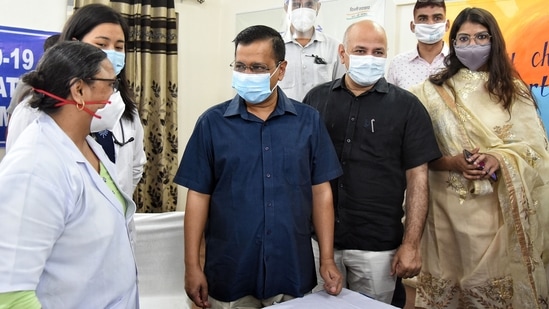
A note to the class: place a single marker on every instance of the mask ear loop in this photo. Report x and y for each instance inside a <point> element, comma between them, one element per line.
<point>79,106</point>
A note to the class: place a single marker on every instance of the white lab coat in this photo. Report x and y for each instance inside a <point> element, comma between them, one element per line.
<point>63,232</point>
<point>130,158</point>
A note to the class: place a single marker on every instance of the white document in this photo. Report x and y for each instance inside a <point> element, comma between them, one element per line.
<point>321,300</point>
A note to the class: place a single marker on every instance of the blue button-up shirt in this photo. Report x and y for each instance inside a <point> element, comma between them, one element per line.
<point>260,176</point>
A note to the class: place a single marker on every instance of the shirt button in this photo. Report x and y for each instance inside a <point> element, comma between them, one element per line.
<point>343,162</point>
<point>348,140</point>
<point>268,175</point>
<point>269,204</point>
<point>341,185</point>
<point>353,118</point>
<point>267,148</point>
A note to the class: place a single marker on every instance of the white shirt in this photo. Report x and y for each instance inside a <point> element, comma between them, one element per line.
<point>63,231</point>
<point>130,158</point>
<point>302,73</point>
<point>408,68</point>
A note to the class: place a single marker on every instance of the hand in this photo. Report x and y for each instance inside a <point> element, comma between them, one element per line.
<point>406,262</point>
<point>467,166</point>
<point>196,287</point>
<point>480,166</point>
<point>331,276</point>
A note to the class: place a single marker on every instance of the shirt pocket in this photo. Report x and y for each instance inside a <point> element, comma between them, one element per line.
<point>323,73</point>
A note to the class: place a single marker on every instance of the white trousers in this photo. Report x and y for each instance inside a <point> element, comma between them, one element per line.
<point>366,272</point>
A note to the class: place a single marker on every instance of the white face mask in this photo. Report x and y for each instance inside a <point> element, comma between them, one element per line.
<point>303,19</point>
<point>430,33</point>
<point>366,70</point>
<point>110,114</point>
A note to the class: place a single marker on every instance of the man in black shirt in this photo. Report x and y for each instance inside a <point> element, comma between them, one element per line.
<point>384,139</point>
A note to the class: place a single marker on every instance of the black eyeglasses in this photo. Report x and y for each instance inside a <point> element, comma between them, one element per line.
<point>115,82</point>
<point>433,1</point>
<point>254,68</point>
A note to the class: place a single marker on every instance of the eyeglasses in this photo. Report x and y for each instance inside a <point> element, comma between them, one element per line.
<point>308,4</point>
<point>254,68</point>
<point>115,82</point>
<point>433,1</point>
<point>481,38</point>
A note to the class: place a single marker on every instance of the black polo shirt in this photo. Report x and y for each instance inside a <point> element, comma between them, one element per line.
<point>377,135</point>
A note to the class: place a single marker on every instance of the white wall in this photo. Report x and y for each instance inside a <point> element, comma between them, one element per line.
<point>34,14</point>
<point>206,32</point>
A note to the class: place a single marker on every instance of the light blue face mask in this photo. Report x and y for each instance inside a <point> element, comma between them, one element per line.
<point>253,88</point>
<point>117,59</point>
<point>366,70</point>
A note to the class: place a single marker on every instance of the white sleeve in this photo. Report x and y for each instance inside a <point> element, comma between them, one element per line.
<point>33,217</point>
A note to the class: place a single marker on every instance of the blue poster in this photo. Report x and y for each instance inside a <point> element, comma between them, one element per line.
<point>20,50</point>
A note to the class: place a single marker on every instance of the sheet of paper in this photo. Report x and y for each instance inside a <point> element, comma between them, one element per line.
<point>321,300</point>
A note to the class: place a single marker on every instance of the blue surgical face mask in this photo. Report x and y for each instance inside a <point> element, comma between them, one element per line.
<point>253,88</point>
<point>366,70</point>
<point>117,59</point>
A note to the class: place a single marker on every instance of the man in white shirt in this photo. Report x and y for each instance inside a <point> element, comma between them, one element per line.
<point>429,25</point>
<point>311,55</point>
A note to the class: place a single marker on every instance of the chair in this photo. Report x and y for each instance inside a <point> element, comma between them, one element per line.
<point>159,254</point>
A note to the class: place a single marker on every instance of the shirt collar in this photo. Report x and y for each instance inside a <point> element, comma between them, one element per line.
<point>414,54</point>
<point>380,86</point>
<point>317,36</point>
<point>284,105</point>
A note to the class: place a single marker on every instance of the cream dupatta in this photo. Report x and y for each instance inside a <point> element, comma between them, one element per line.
<point>485,250</point>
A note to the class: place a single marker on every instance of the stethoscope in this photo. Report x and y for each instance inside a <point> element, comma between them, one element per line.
<point>123,142</point>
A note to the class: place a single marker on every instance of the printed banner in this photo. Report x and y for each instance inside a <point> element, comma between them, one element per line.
<point>20,50</point>
<point>525,26</point>
<point>336,16</point>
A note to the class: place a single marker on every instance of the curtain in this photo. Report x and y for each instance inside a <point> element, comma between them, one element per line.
<point>151,68</point>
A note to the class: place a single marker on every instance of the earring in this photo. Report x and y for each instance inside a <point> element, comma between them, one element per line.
<point>80,106</point>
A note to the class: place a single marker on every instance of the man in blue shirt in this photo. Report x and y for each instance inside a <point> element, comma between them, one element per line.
<point>258,169</point>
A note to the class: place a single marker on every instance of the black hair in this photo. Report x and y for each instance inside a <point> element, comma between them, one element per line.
<point>50,41</point>
<point>429,3</point>
<point>260,33</point>
<point>58,67</point>
<point>84,20</point>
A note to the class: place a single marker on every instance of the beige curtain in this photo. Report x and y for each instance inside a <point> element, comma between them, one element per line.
<point>151,68</point>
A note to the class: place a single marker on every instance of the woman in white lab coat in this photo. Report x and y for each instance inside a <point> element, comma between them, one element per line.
<point>65,225</point>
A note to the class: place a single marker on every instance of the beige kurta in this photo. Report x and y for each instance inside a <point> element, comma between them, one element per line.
<point>484,249</point>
